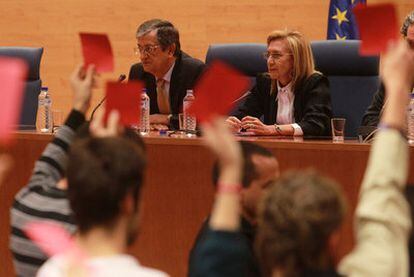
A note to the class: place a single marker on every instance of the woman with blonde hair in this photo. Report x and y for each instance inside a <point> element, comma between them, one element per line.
<point>292,96</point>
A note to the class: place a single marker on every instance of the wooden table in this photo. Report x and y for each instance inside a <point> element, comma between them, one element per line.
<point>178,190</point>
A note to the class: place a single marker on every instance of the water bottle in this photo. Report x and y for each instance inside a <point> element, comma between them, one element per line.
<point>410,120</point>
<point>189,119</point>
<point>44,122</point>
<point>144,125</point>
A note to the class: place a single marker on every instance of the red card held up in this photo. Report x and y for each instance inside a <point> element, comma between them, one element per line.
<point>52,238</point>
<point>13,73</point>
<point>217,90</point>
<point>97,50</point>
<point>377,27</point>
<point>126,99</point>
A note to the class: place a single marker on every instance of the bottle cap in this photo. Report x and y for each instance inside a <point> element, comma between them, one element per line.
<point>163,132</point>
<point>44,88</point>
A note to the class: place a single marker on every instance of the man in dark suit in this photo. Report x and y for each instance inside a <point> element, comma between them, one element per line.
<point>166,71</point>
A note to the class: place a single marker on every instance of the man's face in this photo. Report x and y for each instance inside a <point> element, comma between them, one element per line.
<point>154,60</point>
<point>267,170</point>
<point>410,36</point>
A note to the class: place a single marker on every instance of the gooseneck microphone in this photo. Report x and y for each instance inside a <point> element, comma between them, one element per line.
<point>121,78</point>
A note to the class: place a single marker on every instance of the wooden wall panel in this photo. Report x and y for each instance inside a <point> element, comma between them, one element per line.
<point>54,25</point>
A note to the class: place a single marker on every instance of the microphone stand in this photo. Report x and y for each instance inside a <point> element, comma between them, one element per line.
<point>121,78</point>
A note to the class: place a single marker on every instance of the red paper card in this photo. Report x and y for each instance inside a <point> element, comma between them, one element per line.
<point>217,90</point>
<point>97,50</point>
<point>52,238</point>
<point>13,73</point>
<point>377,26</point>
<point>126,99</point>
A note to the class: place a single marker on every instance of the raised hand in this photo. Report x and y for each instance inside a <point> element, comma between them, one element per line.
<point>82,81</point>
<point>112,127</point>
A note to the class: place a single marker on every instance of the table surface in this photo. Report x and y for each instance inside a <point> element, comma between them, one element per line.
<point>178,190</point>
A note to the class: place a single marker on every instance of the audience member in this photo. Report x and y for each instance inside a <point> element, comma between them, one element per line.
<point>373,113</point>
<point>45,195</point>
<point>166,71</point>
<point>292,97</point>
<point>259,171</point>
<point>298,205</point>
<point>104,180</point>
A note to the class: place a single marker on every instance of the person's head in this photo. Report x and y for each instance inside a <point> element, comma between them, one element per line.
<point>158,44</point>
<point>104,183</point>
<point>407,29</point>
<point>296,222</point>
<point>259,171</point>
<point>289,57</point>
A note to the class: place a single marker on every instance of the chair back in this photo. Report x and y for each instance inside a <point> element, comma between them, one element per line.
<point>32,56</point>
<point>246,57</point>
<point>353,79</point>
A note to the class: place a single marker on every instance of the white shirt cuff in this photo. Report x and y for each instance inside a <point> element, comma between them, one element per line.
<point>297,131</point>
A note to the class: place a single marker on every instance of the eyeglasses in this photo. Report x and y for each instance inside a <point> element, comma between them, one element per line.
<point>274,56</point>
<point>147,49</point>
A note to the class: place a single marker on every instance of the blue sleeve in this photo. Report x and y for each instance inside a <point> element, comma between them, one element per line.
<point>221,254</point>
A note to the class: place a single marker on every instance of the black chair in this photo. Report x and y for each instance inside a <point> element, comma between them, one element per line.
<point>33,84</point>
<point>353,79</point>
<point>246,57</point>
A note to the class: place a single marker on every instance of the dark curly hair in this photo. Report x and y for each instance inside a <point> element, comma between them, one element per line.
<point>408,21</point>
<point>296,218</point>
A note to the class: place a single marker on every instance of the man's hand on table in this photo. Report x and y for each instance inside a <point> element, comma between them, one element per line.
<point>159,127</point>
<point>159,119</point>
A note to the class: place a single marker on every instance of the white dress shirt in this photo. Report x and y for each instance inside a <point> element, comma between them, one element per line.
<point>285,109</point>
<point>167,81</point>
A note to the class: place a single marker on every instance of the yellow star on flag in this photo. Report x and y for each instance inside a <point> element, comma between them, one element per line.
<point>340,16</point>
<point>338,37</point>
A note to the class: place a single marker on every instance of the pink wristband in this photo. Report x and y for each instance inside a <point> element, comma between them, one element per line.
<point>229,188</point>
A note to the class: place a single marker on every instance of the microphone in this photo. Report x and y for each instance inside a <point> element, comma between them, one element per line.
<point>247,93</point>
<point>121,78</point>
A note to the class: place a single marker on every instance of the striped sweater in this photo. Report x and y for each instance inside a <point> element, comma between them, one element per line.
<point>40,199</point>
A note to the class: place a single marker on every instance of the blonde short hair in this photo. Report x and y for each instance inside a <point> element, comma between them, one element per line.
<point>303,64</point>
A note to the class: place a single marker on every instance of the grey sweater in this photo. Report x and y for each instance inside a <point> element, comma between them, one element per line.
<point>41,200</point>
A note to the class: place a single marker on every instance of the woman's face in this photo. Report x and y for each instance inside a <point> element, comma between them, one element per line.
<point>280,61</point>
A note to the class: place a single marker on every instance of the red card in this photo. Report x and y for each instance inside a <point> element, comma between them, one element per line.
<point>377,26</point>
<point>13,73</point>
<point>126,99</point>
<point>97,50</point>
<point>52,238</point>
<point>217,90</point>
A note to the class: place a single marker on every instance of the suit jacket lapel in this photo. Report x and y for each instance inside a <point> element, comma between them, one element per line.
<point>150,85</point>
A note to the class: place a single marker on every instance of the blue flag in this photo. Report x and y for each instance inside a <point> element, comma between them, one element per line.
<point>341,21</point>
